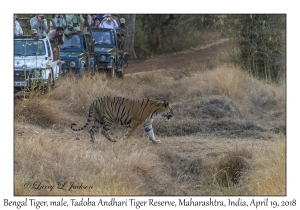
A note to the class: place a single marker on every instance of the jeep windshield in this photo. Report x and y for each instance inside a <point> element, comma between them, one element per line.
<point>71,42</point>
<point>29,48</point>
<point>103,38</point>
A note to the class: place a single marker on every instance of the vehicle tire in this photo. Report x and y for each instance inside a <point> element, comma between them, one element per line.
<point>121,72</point>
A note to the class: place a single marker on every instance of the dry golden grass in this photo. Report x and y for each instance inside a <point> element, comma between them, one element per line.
<point>52,158</point>
<point>227,128</point>
<point>268,170</point>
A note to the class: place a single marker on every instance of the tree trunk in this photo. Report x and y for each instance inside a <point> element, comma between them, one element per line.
<point>129,40</point>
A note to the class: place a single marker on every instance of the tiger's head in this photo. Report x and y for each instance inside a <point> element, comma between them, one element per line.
<point>168,112</point>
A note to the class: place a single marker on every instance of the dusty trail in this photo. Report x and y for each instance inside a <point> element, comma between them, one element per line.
<point>177,60</point>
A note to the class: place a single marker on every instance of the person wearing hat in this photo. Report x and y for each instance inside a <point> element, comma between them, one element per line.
<point>122,31</point>
<point>109,22</point>
<point>96,22</point>
<point>40,24</point>
<point>34,34</point>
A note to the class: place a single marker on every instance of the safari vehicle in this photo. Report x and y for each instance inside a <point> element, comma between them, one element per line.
<point>77,52</point>
<point>35,62</point>
<point>108,57</point>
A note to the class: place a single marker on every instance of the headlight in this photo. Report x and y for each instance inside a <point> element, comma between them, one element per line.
<point>102,58</point>
<point>72,64</point>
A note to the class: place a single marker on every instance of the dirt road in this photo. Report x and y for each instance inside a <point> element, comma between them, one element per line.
<point>177,60</point>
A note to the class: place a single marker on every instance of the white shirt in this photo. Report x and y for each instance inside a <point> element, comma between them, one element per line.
<point>18,28</point>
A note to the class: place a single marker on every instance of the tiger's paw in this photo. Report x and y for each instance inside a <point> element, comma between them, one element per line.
<point>156,142</point>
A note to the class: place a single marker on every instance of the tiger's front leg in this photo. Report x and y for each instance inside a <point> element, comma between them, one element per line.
<point>149,129</point>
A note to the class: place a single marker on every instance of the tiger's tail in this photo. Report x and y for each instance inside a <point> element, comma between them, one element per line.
<point>89,119</point>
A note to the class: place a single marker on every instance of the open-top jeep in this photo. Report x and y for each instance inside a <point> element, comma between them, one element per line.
<point>36,62</point>
<point>108,55</point>
<point>77,52</point>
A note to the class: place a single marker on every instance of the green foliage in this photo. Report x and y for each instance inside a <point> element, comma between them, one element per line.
<point>263,46</point>
<point>166,33</point>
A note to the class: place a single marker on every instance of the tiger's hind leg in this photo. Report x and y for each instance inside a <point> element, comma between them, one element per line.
<point>133,126</point>
<point>106,134</point>
<point>105,129</point>
<point>95,127</point>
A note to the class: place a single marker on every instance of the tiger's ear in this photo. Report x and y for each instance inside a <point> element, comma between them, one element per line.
<point>166,103</point>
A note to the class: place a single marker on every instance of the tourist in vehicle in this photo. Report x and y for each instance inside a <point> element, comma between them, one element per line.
<point>105,38</point>
<point>69,30</point>
<point>109,22</point>
<point>34,34</point>
<point>100,16</point>
<point>59,22</point>
<point>75,20</point>
<point>57,34</point>
<point>96,23</point>
<point>18,31</point>
<point>40,24</point>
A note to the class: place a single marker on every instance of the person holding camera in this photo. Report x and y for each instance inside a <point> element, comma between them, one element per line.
<point>57,34</point>
<point>56,38</point>
<point>69,30</point>
<point>109,22</point>
<point>18,31</point>
<point>75,21</point>
<point>59,22</point>
<point>40,24</point>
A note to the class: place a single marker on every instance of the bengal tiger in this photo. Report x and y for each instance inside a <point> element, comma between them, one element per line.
<point>124,111</point>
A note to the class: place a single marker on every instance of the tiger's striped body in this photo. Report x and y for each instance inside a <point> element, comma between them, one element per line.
<point>109,110</point>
